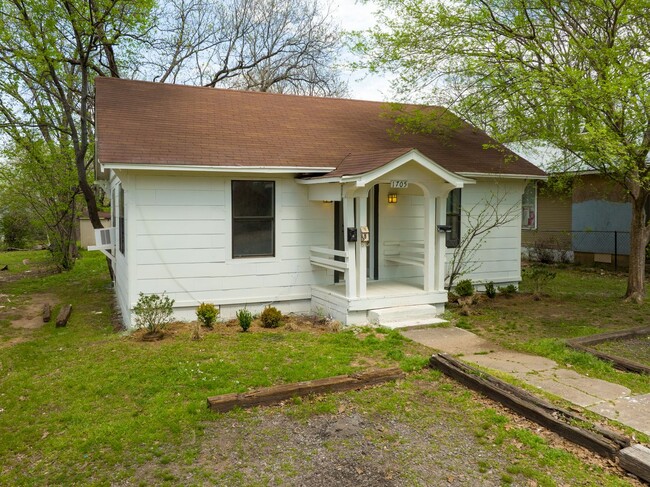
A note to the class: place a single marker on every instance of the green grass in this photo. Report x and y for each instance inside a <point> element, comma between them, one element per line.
<point>578,302</point>
<point>86,405</point>
<point>84,395</point>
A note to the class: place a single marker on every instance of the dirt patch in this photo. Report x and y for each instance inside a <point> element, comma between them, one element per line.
<point>35,271</point>
<point>31,313</point>
<point>358,445</point>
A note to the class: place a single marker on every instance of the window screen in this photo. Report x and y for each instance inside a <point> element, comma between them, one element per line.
<point>121,220</point>
<point>253,219</point>
<point>453,219</point>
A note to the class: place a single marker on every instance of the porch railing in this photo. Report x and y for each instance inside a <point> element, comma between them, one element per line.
<point>406,252</point>
<point>336,260</point>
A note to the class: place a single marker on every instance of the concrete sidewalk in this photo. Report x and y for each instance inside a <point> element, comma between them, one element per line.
<point>610,400</point>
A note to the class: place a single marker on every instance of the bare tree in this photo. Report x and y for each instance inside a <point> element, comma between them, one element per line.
<point>285,46</point>
<point>479,220</point>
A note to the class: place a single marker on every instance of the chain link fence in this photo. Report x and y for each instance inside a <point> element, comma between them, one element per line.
<point>606,247</point>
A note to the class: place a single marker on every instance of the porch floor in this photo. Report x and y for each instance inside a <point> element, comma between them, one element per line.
<point>380,295</point>
<point>376,289</point>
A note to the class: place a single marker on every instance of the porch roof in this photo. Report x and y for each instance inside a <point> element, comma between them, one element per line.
<point>363,168</point>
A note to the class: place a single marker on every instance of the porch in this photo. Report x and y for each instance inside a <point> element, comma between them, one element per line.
<point>385,302</point>
<point>389,239</point>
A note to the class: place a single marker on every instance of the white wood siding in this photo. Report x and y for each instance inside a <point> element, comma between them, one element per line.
<point>120,265</point>
<point>499,257</point>
<point>183,243</point>
<point>401,221</point>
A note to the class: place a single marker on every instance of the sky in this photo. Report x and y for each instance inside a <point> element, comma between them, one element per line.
<point>355,15</point>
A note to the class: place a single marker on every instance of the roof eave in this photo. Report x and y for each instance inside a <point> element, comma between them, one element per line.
<point>502,176</point>
<point>217,169</point>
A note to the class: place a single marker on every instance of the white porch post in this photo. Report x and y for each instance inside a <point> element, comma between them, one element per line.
<point>441,248</point>
<point>430,239</point>
<point>350,275</point>
<point>362,249</point>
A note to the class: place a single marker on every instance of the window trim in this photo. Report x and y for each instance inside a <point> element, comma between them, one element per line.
<point>533,205</point>
<point>122,221</point>
<point>272,218</point>
<point>452,238</point>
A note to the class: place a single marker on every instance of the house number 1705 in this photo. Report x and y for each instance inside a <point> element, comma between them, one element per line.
<point>399,184</point>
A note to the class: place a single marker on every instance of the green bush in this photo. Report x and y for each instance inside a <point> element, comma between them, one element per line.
<point>153,312</point>
<point>464,288</point>
<point>508,290</point>
<point>245,318</point>
<point>207,314</point>
<point>271,317</point>
<point>539,276</point>
<point>490,290</point>
<point>15,228</point>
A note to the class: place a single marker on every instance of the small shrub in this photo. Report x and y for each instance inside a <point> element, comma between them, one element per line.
<point>271,317</point>
<point>153,312</point>
<point>539,275</point>
<point>245,318</point>
<point>464,288</point>
<point>490,290</point>
<point>207,314</point>
<point>508,290</point>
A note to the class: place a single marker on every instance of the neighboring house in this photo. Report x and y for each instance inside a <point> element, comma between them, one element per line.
<point>249,199</point>
<point>590,224</point>
<point>86,230</point>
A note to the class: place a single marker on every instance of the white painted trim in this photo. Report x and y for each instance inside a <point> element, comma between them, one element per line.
<point>501,176</point>
<point>130,244</point>
<point>413,155</point>
<point>238,169</point>
<point>320,180</point>
<point>244,300</point>
<point>350,248</point>
<point>363,179</point>
<point>228,258</point>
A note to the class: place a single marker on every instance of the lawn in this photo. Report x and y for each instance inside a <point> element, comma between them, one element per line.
<point>87,405</point>
<point>578,302</point>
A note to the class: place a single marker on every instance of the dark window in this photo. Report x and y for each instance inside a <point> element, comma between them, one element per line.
<point>253,219</point>
<point>453,219</point>
<point>121,220</point>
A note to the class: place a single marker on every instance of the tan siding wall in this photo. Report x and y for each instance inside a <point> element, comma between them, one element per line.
<point>553,216</point>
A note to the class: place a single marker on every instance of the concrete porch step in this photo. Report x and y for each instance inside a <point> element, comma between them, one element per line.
<point>405,316</point>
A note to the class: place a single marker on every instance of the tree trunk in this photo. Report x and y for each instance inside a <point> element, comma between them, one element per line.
<point>639,237</point>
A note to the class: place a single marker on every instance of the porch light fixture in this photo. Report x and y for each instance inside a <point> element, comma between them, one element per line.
<point>392,198</point>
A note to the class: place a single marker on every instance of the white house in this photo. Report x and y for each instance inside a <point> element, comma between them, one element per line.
<point>249,199</point>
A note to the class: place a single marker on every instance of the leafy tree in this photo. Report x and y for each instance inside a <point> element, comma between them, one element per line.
<point>51,51</point>
<point>572,73</point>
<point>42,181</point>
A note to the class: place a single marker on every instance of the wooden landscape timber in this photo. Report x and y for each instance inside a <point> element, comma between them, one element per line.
<point>64,315</point>
<point>636,460</point>
<point>599,440</point>
<point>583,344</point>
<point>275,394</point>
<point>47,313</point>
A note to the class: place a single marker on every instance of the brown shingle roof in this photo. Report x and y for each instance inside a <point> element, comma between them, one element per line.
<point>151,123</point>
